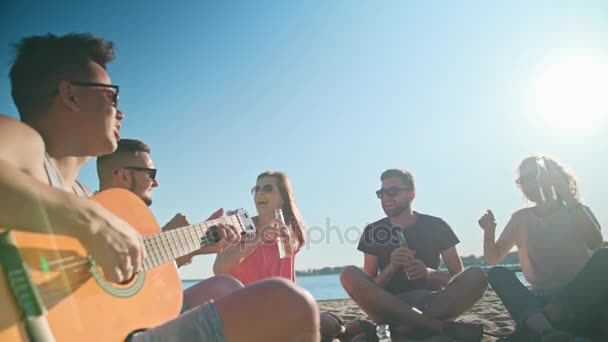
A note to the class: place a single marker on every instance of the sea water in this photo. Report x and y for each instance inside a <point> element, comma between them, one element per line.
<point>325,287</point>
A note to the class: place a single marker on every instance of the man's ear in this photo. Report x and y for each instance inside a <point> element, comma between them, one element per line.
<point>412,195</point>
<point>67,95</point>
<point>123,176</point>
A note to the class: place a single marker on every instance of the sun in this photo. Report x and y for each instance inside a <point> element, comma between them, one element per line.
<point>572,93</point>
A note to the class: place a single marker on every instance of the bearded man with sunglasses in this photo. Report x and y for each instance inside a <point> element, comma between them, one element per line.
<point>400,284</point>
<point>131,167</point>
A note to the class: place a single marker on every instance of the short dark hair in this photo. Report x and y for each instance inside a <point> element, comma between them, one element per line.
<point>406,177</point>
<point>127,148</point>
<point>131,146</point>
<point>41,62</point>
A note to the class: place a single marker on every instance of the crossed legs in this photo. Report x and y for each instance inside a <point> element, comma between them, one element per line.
<point>460,295</point>
<point>581,304</point>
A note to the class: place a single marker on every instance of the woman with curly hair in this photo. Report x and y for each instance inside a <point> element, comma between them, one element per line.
<point>555,240</point>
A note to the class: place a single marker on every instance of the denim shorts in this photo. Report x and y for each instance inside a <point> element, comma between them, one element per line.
<point>202,323</point>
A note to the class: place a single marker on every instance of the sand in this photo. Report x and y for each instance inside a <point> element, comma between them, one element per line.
<point>489,311</point>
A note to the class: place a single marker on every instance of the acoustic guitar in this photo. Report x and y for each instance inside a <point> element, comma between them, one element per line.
<point>51,289</point>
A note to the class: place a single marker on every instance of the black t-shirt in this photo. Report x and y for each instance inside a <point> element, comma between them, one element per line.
<point>429,236</point>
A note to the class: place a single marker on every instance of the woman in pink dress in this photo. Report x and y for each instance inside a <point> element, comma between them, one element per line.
<point>259,258</point>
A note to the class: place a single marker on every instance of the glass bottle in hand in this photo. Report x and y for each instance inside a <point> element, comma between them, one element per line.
<point>284,245</point>
<point>403,243</point>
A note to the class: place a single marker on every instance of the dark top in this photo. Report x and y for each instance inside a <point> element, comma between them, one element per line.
<point>429,236</point>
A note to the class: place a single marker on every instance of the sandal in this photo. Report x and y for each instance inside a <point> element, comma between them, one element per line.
<point>463,331</point>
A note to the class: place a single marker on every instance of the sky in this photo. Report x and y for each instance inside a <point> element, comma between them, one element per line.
<point>335,92</point>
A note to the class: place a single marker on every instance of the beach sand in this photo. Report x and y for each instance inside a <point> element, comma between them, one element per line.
<point>489,311</point>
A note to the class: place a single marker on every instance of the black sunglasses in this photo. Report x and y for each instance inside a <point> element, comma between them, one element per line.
<point>390,192</point>
<point>267,188</point>
<point>151,173</point>
<point>114,97</point>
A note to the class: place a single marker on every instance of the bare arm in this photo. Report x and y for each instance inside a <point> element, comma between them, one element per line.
<point>233,255</point>
<point>583,219</point>
<point>494,251</point>
<point>590,227</point>
<point>370,267</point>
<point>452,261</point>
<point>29,203</point>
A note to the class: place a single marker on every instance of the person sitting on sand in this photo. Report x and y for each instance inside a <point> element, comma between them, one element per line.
<point>555,239</point>
<point>131,167</point>
<point>68,107</point>
<point>260,259</point>
<point>400,283</point>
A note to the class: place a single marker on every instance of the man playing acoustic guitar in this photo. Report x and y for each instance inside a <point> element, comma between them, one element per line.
<point>68,109</point>
<point>131,167</point>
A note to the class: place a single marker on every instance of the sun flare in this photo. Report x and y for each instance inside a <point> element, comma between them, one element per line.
<point>572,93</point>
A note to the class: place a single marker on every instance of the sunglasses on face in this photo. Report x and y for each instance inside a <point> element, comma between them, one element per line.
<point>390,192</point>
<point>267,188</point>
<point>151,173</point>
<point>113,94</point>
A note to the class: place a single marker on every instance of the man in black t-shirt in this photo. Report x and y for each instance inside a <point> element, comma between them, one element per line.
<point>400,283</point>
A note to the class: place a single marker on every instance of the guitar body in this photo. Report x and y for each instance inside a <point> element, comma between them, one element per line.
<point>80,304</point>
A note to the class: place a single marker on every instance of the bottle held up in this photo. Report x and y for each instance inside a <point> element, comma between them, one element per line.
<point>541,170</point>
<point>284,246</point>
<point>403,243</point>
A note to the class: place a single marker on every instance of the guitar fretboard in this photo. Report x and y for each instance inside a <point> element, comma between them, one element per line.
<point>169,245</point>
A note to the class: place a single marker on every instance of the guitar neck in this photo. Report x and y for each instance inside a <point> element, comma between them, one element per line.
<point>169,245</point>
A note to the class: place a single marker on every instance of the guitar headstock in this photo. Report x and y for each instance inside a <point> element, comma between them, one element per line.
<point>245,222</point>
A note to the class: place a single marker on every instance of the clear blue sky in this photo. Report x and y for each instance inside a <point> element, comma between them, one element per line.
<point>334,92</point>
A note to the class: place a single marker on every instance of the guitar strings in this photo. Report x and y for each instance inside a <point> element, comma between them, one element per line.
<point>76,265</point>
